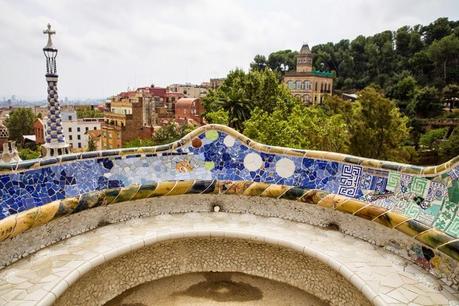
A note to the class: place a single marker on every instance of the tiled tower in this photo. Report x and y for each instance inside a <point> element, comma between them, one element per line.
<point>55,144</point>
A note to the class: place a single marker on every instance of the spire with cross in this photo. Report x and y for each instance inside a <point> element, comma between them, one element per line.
<point>49,32</point>
<point>55,143</point>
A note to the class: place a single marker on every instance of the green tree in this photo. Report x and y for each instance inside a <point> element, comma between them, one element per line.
<point>91,145</point>
<point>305,128</point>
<point>283,60</point>
<point>237,106</point>
<point>436,30</point>
<point>403,41</point>
<point>444,54</point>
<point>334,105</point>
<point>450,148</point>
<point>404,91</point>
<point>427,103</point>
<point>217,117</point>
<point>171,132</point>
<point>241,92</point>
<point>378,129</point>
<point>26,153</point>
<point>19,123</point>
<point>259,63</point>
<point>432,139</point>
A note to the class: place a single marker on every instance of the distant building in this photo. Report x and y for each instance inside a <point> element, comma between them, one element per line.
<point>132,115</point>
<point>309,85</point>
<point>189,110</point>
<point>75,129</point>
<point>189,90</point>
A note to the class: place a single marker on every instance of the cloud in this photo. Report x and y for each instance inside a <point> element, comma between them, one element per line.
<point>106,46</point>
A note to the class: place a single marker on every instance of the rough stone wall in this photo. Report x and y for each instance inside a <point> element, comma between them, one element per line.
<point>175,257</point>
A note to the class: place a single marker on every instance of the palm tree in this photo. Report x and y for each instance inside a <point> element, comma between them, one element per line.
<point>237,107</point>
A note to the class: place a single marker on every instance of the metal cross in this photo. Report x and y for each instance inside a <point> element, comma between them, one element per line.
<point>49,32</point>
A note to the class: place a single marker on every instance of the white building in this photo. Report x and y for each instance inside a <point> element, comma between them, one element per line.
<point>75,130</point>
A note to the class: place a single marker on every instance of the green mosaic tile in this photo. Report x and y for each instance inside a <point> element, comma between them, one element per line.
<point>447,214</point>
<point>453,192</point>
<point>419,186</point>
<point>453,228</point>
<point>412,210</point>
<point>393,181</point>
<point>434,208</point>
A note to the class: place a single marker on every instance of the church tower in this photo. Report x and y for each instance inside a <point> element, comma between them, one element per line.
<point>304,60</point>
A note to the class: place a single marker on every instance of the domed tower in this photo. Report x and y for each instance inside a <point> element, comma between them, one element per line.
<point>304,60</point>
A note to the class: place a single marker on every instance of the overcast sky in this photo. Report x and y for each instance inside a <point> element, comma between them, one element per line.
<point>107,46</point>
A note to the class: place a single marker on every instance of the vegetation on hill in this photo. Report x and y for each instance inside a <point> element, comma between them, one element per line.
<point>401,77</point>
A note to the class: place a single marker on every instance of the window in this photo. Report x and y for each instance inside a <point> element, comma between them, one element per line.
<point>307,85</point>
<point>95,128</point>
<point>70,137</point>
<point>87,129</point>
<point>79,145</point>
<point>78,129</point>
<point>70,118</point>
<point>79,137</point>
<point>291,85</point>
<point>70,130</point>
<point>298,84</point>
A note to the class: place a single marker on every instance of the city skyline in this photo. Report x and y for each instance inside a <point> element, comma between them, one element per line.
<point>106,47</point>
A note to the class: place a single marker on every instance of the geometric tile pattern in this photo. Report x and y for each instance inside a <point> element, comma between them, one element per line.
<point>54,132</point>
<point>219,153</point>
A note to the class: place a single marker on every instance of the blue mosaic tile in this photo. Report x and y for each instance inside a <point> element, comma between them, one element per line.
<point>222,157</point>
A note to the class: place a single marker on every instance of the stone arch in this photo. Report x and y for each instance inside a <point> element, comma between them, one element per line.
<point>230,252</point>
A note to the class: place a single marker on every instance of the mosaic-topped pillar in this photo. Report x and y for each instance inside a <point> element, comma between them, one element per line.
<point>55,144</point>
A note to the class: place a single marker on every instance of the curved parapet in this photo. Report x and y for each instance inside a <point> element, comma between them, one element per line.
<point>421,202</point>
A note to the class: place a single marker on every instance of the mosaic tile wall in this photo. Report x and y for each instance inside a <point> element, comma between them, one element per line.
<point>217,153</point>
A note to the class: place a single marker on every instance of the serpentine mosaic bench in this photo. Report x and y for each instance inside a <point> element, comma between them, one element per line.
<point>421,202</point>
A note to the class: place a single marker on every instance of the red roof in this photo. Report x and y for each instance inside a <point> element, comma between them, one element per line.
<point>126,94</point>
<point>185,102</point>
